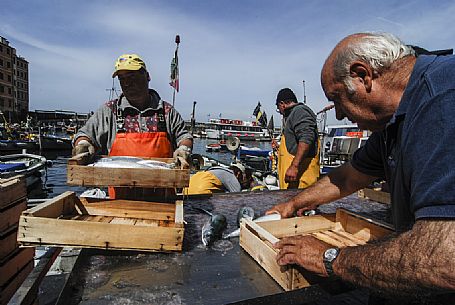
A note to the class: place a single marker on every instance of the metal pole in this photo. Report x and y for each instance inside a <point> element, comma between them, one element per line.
<point>304,93</point>
<point>192,118</point>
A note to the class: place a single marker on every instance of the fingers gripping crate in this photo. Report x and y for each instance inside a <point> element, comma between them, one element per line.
<point>345,229</point>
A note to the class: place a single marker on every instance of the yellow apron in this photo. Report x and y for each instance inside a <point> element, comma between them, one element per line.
<point>204,183</point>
<point>309,168</point>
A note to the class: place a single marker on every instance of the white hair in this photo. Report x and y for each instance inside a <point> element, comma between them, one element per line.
<point>379,50</point>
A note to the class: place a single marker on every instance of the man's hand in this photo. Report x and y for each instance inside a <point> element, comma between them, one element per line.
<point>291,174</point>
<point>285,209</point>
<point>182,151</point>
<point>306,251</point>
<point>84,146</point>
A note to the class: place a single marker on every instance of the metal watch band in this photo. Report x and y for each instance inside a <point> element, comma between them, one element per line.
<point>328,258</point>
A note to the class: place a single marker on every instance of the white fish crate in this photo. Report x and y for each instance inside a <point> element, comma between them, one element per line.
<point>80,174</point>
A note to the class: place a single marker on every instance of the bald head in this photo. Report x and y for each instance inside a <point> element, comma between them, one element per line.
<point>367,70</point>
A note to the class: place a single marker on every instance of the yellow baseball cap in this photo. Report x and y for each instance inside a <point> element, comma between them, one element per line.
<point>128,62</point>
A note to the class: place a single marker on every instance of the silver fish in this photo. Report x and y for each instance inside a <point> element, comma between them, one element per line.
<point>236,233</point>
<point>212,229</point>
<point>130,162</point>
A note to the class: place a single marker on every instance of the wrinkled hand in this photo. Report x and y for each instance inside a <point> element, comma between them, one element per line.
<point>305,251</point>
<point>84,146</point>
<point>285,209</point>
<point>291,174</point>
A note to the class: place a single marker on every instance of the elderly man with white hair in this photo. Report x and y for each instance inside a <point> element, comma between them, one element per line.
<point>408,102</point>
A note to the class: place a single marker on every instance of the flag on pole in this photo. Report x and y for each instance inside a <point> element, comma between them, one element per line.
<point>257,110</point>
<point>263,120</point>
<point>174,82</point>
<point>271,125</point>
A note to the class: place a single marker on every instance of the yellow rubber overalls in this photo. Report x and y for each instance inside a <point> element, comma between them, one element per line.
<point>309,168</point>
<point>204,183</point>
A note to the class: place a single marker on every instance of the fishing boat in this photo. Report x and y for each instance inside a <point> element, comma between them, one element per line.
<point>213,147</point>
<point>244,130</point>
<point>17,145</point>
<point>254,151</point>
<point>29,165</point>
<point>54,142</point>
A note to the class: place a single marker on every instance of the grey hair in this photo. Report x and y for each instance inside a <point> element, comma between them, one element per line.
<point>379,50</point>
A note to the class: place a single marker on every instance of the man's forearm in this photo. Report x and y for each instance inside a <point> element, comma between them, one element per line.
<point>339,183</point>
<point>419,261</point>
<point>302,152</point>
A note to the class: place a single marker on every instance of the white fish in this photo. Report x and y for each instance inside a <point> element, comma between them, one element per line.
<point>273,216</point>
<point>130,162</point>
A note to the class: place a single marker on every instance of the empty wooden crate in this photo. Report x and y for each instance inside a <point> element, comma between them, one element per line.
<point>86,175</point>
<point>68,220</point>
<point>344,229</point>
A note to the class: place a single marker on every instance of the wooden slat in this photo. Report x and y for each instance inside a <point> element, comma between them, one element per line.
<point>7,292</point>
<point>179,214</point>
<point>131,209</point>
<point>123,220</point>
<point>127,177</point>
<point>34,230</point>
<point>260,231</point>
<point>8,241</point>
<point>350,237</point>
<point>147,223</point>
<point>265,255</point>
<point>10,217</point>
<point>379,196</point>
<point>361,227</point>
<point>12,264</point>
<point>298,225</point>
<point>11,190</point>
<point>58,206</point>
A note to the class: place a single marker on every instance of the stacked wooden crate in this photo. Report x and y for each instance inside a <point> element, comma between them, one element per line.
<point>15,263</point>
<point>109,224</point>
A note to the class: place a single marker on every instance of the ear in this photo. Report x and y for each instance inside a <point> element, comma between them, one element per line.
<point>148,77</point>
<point>363,72</point>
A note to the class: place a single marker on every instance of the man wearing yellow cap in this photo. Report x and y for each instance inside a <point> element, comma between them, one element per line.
<point>138,124</point>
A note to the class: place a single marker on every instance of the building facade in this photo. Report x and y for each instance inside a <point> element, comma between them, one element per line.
<point>14,84</point>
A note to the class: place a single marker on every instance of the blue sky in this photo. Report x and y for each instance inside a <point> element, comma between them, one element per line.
<point>232,55</point>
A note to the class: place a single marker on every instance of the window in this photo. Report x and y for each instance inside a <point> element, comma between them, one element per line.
<point>8,64</point>
<point>2,88</point>
<point>1,49</point>
<point>9,78</point>
<point>1,75</point>
<point>8,51</point>
<point>1,62</point>
<point>9,90</point>
<point>2,104</point>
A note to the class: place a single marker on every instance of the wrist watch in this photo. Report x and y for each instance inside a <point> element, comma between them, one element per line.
<point>328,258</point>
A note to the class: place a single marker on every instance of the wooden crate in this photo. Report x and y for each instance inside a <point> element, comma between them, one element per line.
<point>344,229</point>
<point>68,220</point>
<point>12,190</point>
<point>79,174</point>
<point>375,195</point>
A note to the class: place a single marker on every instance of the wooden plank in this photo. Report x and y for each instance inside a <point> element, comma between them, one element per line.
<point>64,204</point>
<point>332,239</point>
<point>12,189</point>
<point>130,209</point>
<point>127,177</point>
<point>10,217</point>
<point>123,220</point>
<point>260,231</point>
<point>179,222</point>
<point>8,241</point>
<point>28,291</point>
<point>147,222</point>
<point>299,225</point>
<point>265,255</point>
<point>7,292</point>
<point>375,195</point>
<point>41,231</point>
<point>361,227</point>
<point>13,263</point>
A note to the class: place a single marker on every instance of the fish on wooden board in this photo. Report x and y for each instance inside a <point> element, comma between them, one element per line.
<point>131,162</point>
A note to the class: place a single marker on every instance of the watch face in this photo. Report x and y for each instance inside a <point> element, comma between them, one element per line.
<point>330,254</point>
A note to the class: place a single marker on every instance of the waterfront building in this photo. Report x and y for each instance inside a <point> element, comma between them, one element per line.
<point>14,84</point>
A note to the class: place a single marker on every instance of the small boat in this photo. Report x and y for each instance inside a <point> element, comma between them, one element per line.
<point>54,142</point>
<point>213,147</point>
<point>17,145</point>
<point>29,165</point>
<point>254,151</point>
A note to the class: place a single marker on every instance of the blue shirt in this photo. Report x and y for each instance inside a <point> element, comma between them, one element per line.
<point>415,153</point>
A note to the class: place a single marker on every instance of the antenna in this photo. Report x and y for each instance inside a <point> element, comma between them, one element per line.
<point>304,93</point>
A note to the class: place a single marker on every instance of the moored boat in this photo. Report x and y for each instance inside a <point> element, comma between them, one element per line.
<point>213,147</point>
<point>29,165</point>
<point>54,142</point>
